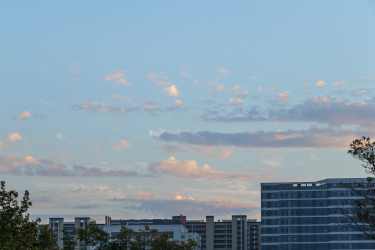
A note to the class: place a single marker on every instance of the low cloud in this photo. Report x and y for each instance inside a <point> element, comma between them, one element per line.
<point>223,71</point>
<point>121,145</point>
<point>311,138</point>
<point>123,81</point>
<point>172,91</point>
<point>189,169</point>
<point>23,115</point>
<point>12,137</point>
<point>29,166</point>
<point>59,136</point>
<point>70,79</point>
<point>177,102</point>
<point>162,83</point>
<point>100,107</point>
<point>156,76</point>
<point>320,83</point>
<point>282,97</point>
<point>114,75</point>
<point>219,87</point>
<point>337,83</point>
<point>236,87</point>
<point>323,110</point>
<point>365,79</point>
<point>236,100</point>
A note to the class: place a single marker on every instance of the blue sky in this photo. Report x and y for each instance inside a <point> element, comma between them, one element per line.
<point>158,108</point>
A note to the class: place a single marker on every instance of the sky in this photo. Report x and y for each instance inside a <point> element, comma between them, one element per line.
<point>158,108</point>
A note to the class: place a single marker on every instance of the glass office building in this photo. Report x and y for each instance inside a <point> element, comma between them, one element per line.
<point>304,216</point>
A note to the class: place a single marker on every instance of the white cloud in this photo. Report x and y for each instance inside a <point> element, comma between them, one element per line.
<point>183,74</point>
<point>365,79</point>
<point>12,137</point>
<point>236,101</point>
<point>337,83</point>
<point>273,89</point>
<point>155,76</point>
<point>58,135</point>
<point>320,83</point>
<point>70,79</point>
<point>307,85</point>
<point>118,97</point>
<point>3,145</point>
<point>172,91</point>
<point>162,83</point>
<point>23,115</point>
<point>220,87</point>
<point>121,145</point>
<point>223,71</point>
<point>283,97</point>
<point>114,75</point>
<point>196,81</point>
<point>177,102</point>
<point>123,81</point>
<point>254,77</point>
<point>260,88</point>
<point>236,87</point>
<point>243,94</point>
<point>225,154</point>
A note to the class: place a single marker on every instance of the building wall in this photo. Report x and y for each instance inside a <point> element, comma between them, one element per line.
<point>238,233</point>
<point>305,216</point>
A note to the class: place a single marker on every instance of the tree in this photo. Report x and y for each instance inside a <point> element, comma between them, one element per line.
<point>121,240</point>
<point>142,239</point>
<point>69,243</point>
<point>17,231</point>
<point>359,213</point>
<point>45,238</point>
<point>92,235</point>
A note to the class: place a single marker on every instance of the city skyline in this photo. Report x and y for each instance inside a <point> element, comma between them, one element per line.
<point>164,108</point>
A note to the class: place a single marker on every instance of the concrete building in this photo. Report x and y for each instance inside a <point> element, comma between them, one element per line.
<point>239,233</point>
<point>304,216</point>
<point>176,231</point>
<point>58,224</point>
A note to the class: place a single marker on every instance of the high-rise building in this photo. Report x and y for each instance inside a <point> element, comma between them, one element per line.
<point>305,216</point>
<point>59,226</point>
<point>239,233</point>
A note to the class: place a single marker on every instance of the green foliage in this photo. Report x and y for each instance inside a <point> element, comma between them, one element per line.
<point>69,243</point>
<point>17,232</point>
<point>128,239</point>
<point>92,235</point>
<point>359,212</point>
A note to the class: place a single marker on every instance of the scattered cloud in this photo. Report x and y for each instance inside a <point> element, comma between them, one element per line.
<point>225,154</point>
<point>282,97</point>
<point>189,169</point>
<point>171,149</point>
<point>243,94</point>
<point>223,71</point>
<point>123,81</point>
<point>254,77</point>
<point>96,107</point>
<point>337,83</point>
<point>177,102</point>
<point>311,138</point>
<point>121,145</point>
<point>172,91</point>
<point>29,166</point>
<point>76,68</point>
<point>40,100</point>
<point>70,79</point>
<point>260,89</point>
<point>118,97</point>
<point>204,100</point>
<point>143,195</point>
<point>307,85</point>
<point>114,75</point>
<point>183,74</point>
<point>365,79</point>
<point>23,115</point>
<point>59,136</point>
<point>307,79</point>
<point>236,87</point>
<point>3,145</point>
<point>196,81</point>
<point>219,87</point>
<point>12,137</point>
<point>273,89</point>
<point>320,83</point>
<point>156,76</point>
<point>162,83</point>
<point>236,100</point>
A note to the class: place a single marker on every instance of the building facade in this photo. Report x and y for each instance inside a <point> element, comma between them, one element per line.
<point>304,216</point>
<point>239,233</point>
<point>58,225</point>
<point>176,231</point>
